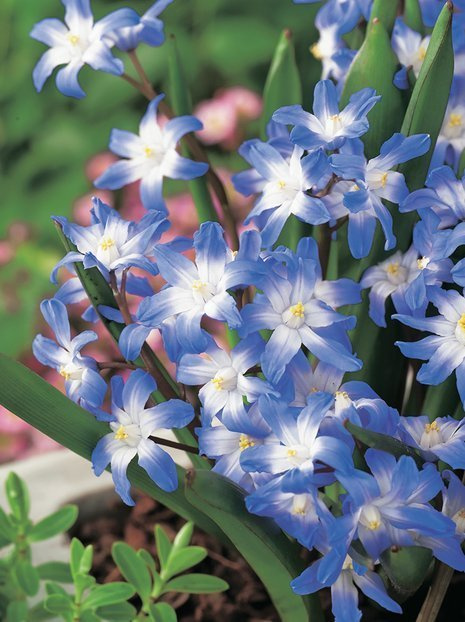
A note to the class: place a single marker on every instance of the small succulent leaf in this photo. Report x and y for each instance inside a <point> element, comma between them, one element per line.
<point>121,612</point>
<point>196,583</point>
<point>58,522</point>
<point>133,568</point>
<point>59,604</point>
<point>17,611</point>
<point>163,612</point>
<point>184,536</point>
<point>181,560</point>
<point>109,594</point>
<point>55,571</point>
<point>27,577</point>
<point>163,545</point>
<point>18,497</point>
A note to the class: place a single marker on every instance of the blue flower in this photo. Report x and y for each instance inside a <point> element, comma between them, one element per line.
<point>132,424</point>
<point>76,43</point>
<point>225,384</point>
<point>390,506</point>
<point>284,184</point>
<point>454,502</point>
<point>82,380</point>
<point>289,308</point>
<point>194,290</point>
<point>328,127</point>
<point>150,156</point>
<point>445,349</point>
<point>444,195</point>
<point>374,180</point>
<point>226,446</point>
<point>410,48</point>
<point>149,30</point>
<point>303,451</point>
<point>441,439</point>
<point>111,243</point>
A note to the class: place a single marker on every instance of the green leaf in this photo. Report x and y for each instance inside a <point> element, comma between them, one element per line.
<point>108,594</point>
<point>54,588</point>
<point>30,397</point>
<point>182,105</point>
<point>461,169</point>
<point>273,557</point>
<point>374,66</point>
<point>385,12</point>
<point>441,399</point>
<point>7,530</point>
<point>76,552</point>
<point>122,612</point>
<point>38,613</point>
<point>183,559</point>
<point>162,612</point>
<point>58,522</point>
<point>283,86</point>
<point>412,16</point>
<point>196,583</point>
<point>88,616</point>
<point>17,495</point>
<point>27,577</point>
<point>16,611</point>
<point>383,442</point>
<point>184,536</point>
<point>427,106</point>
<point>55,571</point>
<point>59,604</point>
<point>148,559</point>
<point>407,567</point>
<point>163,545</point>
<point>133,568</point>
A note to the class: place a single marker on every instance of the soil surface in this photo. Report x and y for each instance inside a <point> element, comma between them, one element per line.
<point>104,519</point>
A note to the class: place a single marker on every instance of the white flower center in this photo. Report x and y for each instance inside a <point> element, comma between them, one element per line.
<point>459,520</point>
<point>202,291</point>
<point>376,180</point>
<point>460,330</point>
<point>431,436</point>
<point>294,316</point>
<point>245,442</point>
<point>225,379</point>
<point>128,434</point>
<point>370,517</point>
<point>454,124</point>
<point>396,273</point>
<point>298,454</point>
<point>423,262</point>
<point>300,504</point>
<point>70,371</point>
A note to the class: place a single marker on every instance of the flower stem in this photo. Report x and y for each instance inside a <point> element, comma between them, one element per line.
<point>181,446</point>
<point>436,594</point>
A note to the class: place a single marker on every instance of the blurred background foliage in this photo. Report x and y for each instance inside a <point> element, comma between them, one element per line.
<point>46,139</point>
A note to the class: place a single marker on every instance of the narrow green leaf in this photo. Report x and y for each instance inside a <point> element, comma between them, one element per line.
<point>76,552</point>
<point>133,568</point>
<point>407,567</point>
<point>58,522</point>
<point>7,530</point>
<point>181,560</point>
<point>461,169</point>
<point>182,105</point>
<point>108,594</point>
<point>385,12</point>
<point>18,496</point>
<point>17,611</point>
<point>196,583</point>
<point>148,559</point>
<point>283,86</point>
<point>54,588</point>
<point>163,545</point>
<point>55,571</point>
<point>59,604</point>
<point>441,400</point>
<point>413,17</point>
<point>30,397</point>
<point>162,612</point>
<point>374,66</point>
<point>383,442</point>
<point>27,577</point>
<point>88,616</point>
<point>122,612</point>
<point>427,106</point>
<point>184,536</point>
<point>86,560</point>
<point>270,554</point>
<point>38,613</point>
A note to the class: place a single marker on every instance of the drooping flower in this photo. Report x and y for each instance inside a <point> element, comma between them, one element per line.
<point>82,380</point>
<point>328,127</point>
<point>223,380</point>
<point>78,42</point>
<point>149,30</point>
<point>445,348</point>
<point>284,184</point>
<point>132,424</point>
<point>150,156</point>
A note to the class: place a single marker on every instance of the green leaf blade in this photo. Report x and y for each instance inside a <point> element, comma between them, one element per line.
<point>133,568</point>
<point>58,522</point>
<point>196,583</point>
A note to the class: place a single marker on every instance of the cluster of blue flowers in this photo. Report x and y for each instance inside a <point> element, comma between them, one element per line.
<point>273,409</point>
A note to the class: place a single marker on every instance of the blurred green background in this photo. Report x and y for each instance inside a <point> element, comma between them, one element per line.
<point>47,138</point>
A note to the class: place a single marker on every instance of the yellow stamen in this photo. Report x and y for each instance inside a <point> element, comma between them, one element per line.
<point>299,511</point>
<point>384,178</point>
<point>121,433</point>
<point>316,51</point>
<point>106,243</point>
<point>422,53</point>
<point>422,263</point>
<point>73,39</point>
<point>374,524</point>
<point>148,151</point>
<point>291,452</point>
<point>281,184</point>
<point>245,442</point>
<point>461,322</point>
<point>342,394</point>
<point>298,310</point>
<point>334,117</point>
<point>455,120</point>
<point>393,268</point>
<point>432,427</point>
<point>66,375</point>
<point>218,382</point>
<point>198,285</point>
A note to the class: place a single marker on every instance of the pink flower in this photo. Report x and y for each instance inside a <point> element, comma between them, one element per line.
<point>219,118</point>
<point>248,104</point>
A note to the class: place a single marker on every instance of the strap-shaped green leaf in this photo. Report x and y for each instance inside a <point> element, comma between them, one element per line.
<point>271,555</point>
<point>385,12</point>
<point>32,399</point>
<point>413,17</point>
<point>374,66</point>
<point>383,442</point>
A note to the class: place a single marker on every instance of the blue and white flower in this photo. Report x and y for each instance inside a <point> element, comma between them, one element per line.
<point>82,380</point>
<point>76,43</point>
<point>328,127</point>
<point>132,424</point>
<point>410,48</point>
<point>441,439</point>
<point>149,30</point>
<point>150,156</point>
